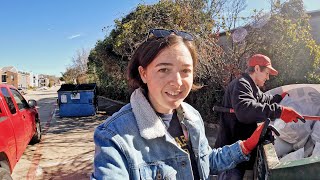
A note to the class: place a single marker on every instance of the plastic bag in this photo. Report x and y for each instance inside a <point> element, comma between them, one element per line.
<point>282,147</point>
<point>315,135</point>
<point>298,133</point>
<point>295,155</point>
<point>306,101</point>
<point>316,150</point>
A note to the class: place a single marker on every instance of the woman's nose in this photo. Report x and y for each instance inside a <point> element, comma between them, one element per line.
<point>176,79</point>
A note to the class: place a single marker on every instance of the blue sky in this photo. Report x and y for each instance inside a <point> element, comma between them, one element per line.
<point>42,36</point>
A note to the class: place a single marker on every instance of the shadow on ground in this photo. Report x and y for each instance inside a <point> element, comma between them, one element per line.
<point>62,125</point>
<point>68,148</point>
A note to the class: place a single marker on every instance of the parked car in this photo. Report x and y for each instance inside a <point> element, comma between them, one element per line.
<point>19,126</point>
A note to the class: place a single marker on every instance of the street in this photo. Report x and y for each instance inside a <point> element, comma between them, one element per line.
<point>66,150</point>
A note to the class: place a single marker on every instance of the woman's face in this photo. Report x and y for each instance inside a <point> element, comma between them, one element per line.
<point>169,78</point>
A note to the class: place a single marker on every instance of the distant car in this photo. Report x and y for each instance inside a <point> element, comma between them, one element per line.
<point>22,91</point>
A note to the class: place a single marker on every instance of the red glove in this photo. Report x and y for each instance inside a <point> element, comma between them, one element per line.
<point>288,114</point>
<point>248,145</point>
<point>284,94</point>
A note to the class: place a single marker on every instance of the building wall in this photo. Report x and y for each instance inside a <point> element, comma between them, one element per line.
<point>34,80</point>
<point>315,25</point>
<point>28,80</point>
<point>11,78</point>
<point>43,81</point>
<point>23,79</point>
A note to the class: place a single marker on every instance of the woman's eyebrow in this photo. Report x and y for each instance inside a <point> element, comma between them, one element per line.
<point>188,65</point>
<point>164,64</point>
<point>170,64</point>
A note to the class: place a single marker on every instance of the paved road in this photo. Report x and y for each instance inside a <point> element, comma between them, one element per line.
<point>66,149</point>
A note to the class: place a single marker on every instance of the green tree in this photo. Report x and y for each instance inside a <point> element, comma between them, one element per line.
<point>285,38</point>
<point>108,60</point>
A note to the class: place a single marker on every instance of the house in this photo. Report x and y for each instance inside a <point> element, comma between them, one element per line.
<point>23,79</point>
<point>9,75</point>
<point>34,80</point>
<point>43,80</point>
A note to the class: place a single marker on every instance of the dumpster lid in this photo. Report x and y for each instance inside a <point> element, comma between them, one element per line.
<point>76,87</point>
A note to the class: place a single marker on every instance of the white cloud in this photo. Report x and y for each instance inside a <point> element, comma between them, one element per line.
<point>74,36</point>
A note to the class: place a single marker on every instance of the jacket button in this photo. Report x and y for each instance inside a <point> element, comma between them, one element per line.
<point>183,163</point>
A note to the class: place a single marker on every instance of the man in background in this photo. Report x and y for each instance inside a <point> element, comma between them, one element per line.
<point>250,106</point>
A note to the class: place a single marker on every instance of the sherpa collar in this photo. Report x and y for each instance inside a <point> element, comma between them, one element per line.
<point>149,123</point>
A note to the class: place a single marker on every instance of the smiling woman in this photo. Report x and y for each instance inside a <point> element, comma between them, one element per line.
<point>169,76</point>
<point>157,135</point>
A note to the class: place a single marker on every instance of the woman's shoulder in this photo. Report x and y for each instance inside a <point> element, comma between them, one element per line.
<point>187,106</point>
<point>119,120</point>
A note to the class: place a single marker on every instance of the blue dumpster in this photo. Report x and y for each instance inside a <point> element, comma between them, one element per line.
<point>77,100</point>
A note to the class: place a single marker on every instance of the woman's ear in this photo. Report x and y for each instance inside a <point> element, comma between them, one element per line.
<point>143,74</point>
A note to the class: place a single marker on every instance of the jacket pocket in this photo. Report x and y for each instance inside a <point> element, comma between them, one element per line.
<point>156,171</point>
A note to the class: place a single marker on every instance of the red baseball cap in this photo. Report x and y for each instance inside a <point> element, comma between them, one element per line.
<point>262,60</point>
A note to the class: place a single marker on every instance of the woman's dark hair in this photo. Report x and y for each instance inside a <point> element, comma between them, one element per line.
<point>148,51</point>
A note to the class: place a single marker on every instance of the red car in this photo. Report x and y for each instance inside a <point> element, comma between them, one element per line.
<point>19,126</point>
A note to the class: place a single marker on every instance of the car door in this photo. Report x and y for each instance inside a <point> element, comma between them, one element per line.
<point>26,114</point>
<point>17,122</point>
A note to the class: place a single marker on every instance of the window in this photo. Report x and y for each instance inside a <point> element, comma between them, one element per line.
<point>8,99</point>
<point>21,102</point>
<point>4,78</point>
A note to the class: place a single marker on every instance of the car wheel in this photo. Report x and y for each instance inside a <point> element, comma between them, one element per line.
<point>4,174</point>
<point>37,135</point>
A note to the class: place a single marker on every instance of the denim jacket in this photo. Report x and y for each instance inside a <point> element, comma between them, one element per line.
<point>134,144</point>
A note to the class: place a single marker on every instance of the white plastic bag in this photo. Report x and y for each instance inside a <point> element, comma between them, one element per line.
<point>306,101</point>
<point>295,155</point>
<point>315,135</point>
<point>316,150</point>
<point>298,133</point>
<point>282,147</point>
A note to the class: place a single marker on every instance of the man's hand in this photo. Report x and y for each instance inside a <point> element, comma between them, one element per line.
<point>288,115</point>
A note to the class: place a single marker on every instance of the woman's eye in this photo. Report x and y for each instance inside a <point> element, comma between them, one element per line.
<point>164,70</point>
<point>186,71</point>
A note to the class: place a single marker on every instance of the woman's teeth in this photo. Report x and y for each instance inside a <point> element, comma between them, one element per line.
<point>173,93</point>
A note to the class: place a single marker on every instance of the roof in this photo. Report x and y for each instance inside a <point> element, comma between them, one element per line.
<point>9,68</point>
<point>314,13</point>
<point>311,13</point>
